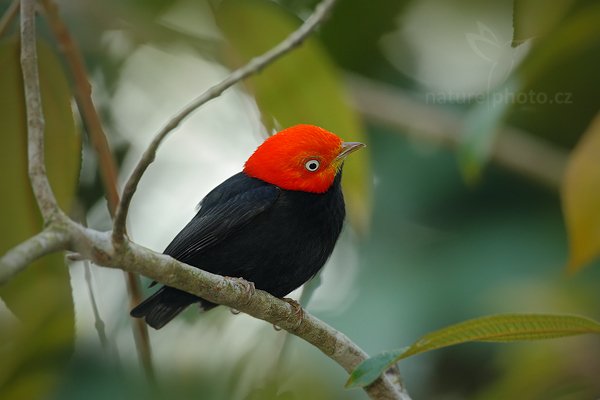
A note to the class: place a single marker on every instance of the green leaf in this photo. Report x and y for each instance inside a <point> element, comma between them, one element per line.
<point>40,296</point>
<point>494,328</point>
<point>534,18</point>
<point>482,122</point>
<point>302,87</point>
<point>369,370</point>
<point>580,195</point>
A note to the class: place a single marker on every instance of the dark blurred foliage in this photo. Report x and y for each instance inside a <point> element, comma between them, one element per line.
<point>563,123</point>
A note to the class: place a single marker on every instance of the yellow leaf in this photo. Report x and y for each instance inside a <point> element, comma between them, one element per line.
<point>34,349</point>
<point>581,198</point>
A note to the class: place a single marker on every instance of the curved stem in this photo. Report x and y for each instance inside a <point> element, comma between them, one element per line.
<point>253,66</point>
<point>35,117</point>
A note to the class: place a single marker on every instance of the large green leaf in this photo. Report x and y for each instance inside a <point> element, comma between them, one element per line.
<point>494,328</point>
<point>302,87</point>
<point>40,297</point>
<point>580,194</point>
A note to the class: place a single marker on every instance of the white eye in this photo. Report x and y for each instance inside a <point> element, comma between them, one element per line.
<point>312,165</point>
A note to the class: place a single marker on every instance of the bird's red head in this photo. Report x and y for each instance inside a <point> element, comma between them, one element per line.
<point>303,157</point>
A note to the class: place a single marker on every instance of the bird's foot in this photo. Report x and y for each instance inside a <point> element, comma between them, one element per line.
<point>248,288</point>
<point>298,310</point>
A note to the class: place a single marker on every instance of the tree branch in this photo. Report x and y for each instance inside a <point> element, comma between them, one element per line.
<point>108,169</point>
<point>253,66</point>
<point>100,249</point>
<point>98,322</point>
<point>514,149</point>
<point>35,117</point>
<point>19,257</point>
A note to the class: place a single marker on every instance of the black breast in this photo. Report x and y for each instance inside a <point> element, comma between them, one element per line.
<point>283,246</point>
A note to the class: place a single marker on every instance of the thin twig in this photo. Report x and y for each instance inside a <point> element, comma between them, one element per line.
<point>9,16</point>
<point>35,117</point>
<point>83,97</point>
<point>108,169</point>
<point>19,257</point>
<point>514,149</point>
<point>140,329</point>
<point>253,66</point>
<point>98,322</point>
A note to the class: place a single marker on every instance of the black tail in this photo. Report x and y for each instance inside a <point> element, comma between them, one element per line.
<point>164,305</point>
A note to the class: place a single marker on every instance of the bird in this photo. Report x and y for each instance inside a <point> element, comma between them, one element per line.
<point>273,224</point>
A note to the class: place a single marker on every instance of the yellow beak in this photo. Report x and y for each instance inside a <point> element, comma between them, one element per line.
<point>347,148</point>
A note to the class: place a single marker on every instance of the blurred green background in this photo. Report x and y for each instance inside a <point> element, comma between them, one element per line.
<point>455,210</point>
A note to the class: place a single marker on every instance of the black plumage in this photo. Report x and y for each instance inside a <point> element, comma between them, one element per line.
<point>245,227</point>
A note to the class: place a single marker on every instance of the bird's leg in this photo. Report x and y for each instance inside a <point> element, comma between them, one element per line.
<point>248,289</point>
<point>298,310</point>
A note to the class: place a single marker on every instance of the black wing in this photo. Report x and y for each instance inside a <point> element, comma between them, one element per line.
<point>222,212</point>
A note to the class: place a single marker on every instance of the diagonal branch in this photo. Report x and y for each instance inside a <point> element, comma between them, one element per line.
<point>100,248</point>
<point>253,66</point>
<point>35,117</point>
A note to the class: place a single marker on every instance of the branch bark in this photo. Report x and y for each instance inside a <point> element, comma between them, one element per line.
<point>256,64</point>
<point>35,117</point>
<point>18,258</point>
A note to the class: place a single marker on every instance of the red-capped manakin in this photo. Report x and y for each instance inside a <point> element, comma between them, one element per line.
<point>274,224</point>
